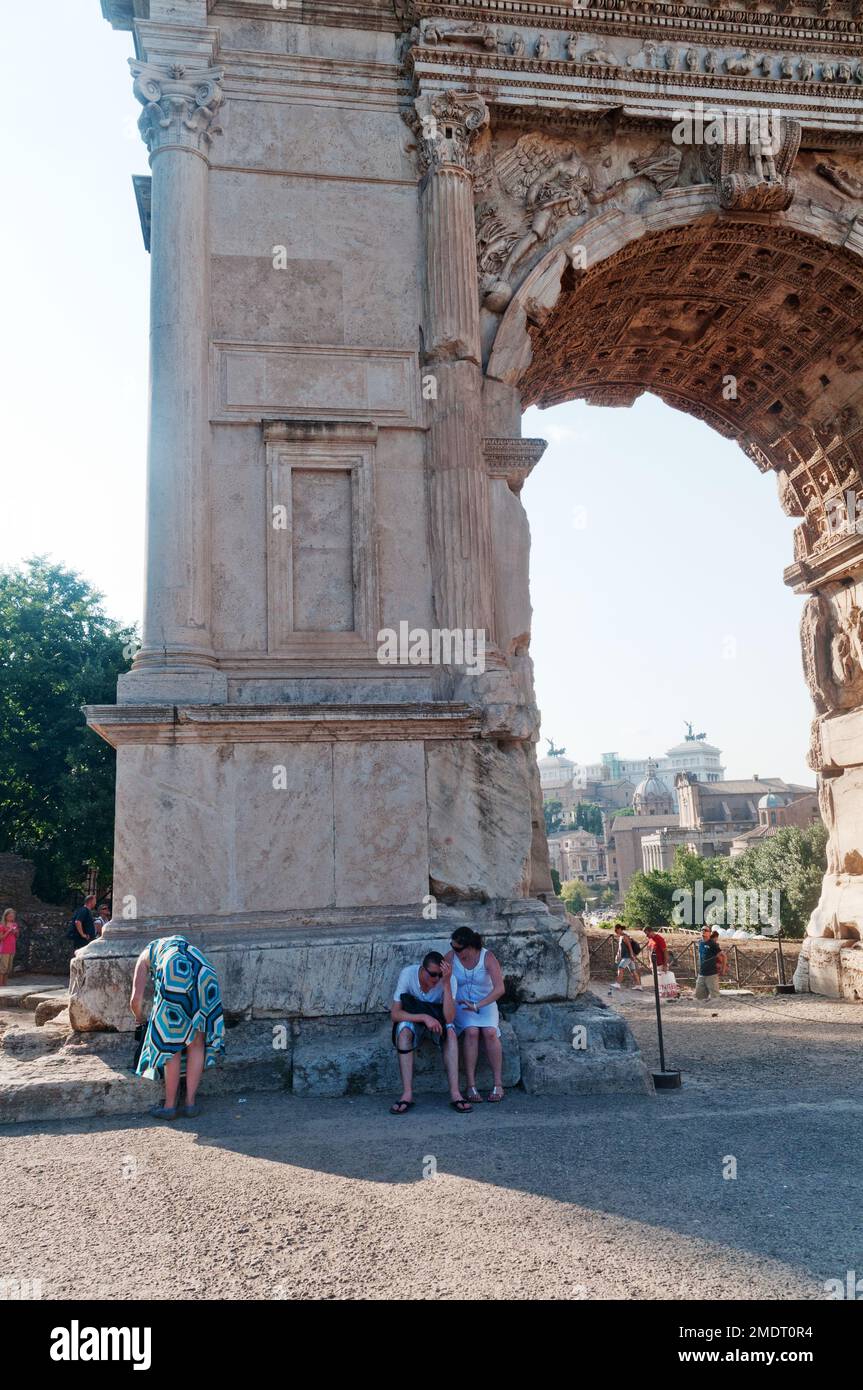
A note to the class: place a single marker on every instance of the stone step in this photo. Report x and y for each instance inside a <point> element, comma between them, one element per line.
<point>28,991</point>
<point>83,1079</point>
<point>576,1048</point>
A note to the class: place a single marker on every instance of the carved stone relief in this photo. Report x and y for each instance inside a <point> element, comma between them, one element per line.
<point>753,174</point>
<point>529,190</point>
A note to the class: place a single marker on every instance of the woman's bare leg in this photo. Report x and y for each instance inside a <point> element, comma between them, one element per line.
<point>494,1053</point>
<point>470,1039</point>
<point>172,1081</point>
<point>195,1055</point>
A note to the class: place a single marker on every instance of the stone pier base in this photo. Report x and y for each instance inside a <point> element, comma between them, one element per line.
<point>311,998</point>
<point>830,967</point>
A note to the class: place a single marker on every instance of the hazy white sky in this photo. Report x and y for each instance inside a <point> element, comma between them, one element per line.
<point>658,547</point>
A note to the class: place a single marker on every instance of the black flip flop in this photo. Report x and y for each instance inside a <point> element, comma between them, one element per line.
<point>401,1107</point>
<point>463,1107</point>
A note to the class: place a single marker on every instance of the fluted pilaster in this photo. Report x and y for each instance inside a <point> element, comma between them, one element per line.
<point>452,298</point>
<point>178,123</point>
<point>458,483</point>
<point>458,497</point>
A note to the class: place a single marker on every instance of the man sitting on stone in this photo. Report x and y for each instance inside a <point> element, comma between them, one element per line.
<point>424,1002</point>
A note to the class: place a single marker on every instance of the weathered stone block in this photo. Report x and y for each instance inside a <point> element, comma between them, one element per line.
<point>346,1058</point>
<point>553,1069</point>
<point>479,820</point>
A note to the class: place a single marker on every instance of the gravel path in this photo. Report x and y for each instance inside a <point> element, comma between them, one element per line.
<point>277,1198</point>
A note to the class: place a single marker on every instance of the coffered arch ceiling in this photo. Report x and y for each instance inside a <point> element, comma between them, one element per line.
<point>756,329</point>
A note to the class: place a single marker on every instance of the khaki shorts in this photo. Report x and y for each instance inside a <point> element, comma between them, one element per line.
<point>707,987</point>
<point>6,964</point>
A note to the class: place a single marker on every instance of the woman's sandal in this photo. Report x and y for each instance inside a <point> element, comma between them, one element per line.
<point>461,1106</point>
<point>161,1112</point>
<point>473,1095</point>
<point>401,1107</point>
<point>495,1095</point>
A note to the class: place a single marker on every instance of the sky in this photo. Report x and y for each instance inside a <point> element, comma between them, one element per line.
<point>658,548</point>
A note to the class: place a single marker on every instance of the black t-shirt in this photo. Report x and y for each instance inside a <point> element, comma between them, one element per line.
<point>85,917</point>
<point>708,958</point>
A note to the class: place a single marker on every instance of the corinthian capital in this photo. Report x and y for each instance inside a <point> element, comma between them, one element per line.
<point>445,125</point>
<point>180,104</point>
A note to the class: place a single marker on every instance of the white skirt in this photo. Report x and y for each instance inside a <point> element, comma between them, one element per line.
<point>487,1017</point>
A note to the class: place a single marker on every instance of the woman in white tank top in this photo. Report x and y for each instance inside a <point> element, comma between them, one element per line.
<point>479,985</point>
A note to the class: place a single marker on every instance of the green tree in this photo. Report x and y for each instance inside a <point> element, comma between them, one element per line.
<point>575,894</point>
<point>553,812</point>
<point>790,863</point>
<point>58,651</point>
<point>649,899</point>
<point>588,817</point>
<point>555,881</point>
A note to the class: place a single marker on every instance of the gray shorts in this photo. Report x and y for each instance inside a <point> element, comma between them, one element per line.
<point>707,987</point>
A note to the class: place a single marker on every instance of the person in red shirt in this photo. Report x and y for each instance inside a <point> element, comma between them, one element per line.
<point>657,946</point>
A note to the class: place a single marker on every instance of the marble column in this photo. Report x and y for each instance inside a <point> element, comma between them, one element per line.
<point>458,483</point>
<point>178,123</point>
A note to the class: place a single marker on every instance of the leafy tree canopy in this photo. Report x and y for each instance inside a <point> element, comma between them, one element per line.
<point>58,651</point>
<point>649,900</point>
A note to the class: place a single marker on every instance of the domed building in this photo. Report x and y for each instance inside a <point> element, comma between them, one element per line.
<point>769,807</point>
<point>652,797</point>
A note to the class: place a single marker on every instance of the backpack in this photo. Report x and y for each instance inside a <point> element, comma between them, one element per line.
<point>636,947</point>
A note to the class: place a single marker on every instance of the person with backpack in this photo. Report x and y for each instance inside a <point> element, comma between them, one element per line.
<point>626,959</point>
<point>82,928</point>
<point>424,1002</point>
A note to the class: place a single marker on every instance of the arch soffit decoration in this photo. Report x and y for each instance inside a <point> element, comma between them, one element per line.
<point>801,418</point>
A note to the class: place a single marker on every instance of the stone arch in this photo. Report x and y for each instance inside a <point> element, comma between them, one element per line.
<point>682,299</point>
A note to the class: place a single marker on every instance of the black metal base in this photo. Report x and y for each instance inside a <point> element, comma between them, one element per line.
<point>785,989</point>
<point>667,1080</point>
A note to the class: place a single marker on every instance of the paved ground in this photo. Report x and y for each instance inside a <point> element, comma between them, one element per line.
<point>587,1199</point>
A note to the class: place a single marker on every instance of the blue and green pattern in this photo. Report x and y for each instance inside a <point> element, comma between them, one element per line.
<point>186,1000</point>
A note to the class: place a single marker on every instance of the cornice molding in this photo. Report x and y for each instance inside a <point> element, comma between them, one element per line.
<point>173,724</point>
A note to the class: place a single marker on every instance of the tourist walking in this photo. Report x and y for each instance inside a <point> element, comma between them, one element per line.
<point>424,1005</point>
<point>83,926</point>
<point>657,946</point>
<point>721,959</point>
<point>707,979</point>
<point>479,985</point>
<point>9,929</point>
<point>626,960</point>
<point>186,1025</point>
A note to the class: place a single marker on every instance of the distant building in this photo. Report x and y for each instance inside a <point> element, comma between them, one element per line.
<point>577,854</point>
<point>694,756</point>
<point>712,818</point>
<point>652,797</point>
<point>775,810</point>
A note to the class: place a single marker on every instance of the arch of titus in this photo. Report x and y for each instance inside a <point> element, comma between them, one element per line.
<point>378,231</point>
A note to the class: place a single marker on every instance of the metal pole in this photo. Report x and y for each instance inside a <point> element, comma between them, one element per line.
<point>658,1012</point>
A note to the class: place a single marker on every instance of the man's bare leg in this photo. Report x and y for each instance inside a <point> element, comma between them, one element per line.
<point>405,1048</point>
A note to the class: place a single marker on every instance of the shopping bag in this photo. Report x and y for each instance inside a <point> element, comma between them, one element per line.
<point>668,986</point>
